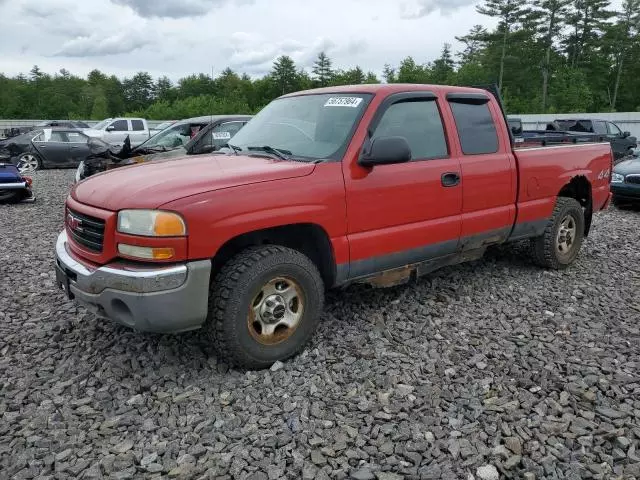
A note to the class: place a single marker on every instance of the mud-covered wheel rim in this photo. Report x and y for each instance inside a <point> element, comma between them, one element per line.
<point>276,311</point>
<point>566,237</point>
<point>27,163</point>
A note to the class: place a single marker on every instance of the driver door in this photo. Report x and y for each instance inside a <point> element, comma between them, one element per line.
<point>618,142</point>
<point>410,212</point>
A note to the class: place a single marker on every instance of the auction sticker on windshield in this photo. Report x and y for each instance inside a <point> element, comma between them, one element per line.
<point>221,135</point>
<point>352,102</point>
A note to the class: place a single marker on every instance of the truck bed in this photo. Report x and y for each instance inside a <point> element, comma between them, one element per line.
<point>542,176</point>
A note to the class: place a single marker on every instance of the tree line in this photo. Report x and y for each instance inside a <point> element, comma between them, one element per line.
<point>547,56</point>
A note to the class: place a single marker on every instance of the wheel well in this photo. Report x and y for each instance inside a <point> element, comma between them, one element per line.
<point>307,238</point>
<point>579,188</point>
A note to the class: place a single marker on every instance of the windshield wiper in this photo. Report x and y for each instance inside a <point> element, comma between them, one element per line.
<point>235,148</point>
<point>280,153</point>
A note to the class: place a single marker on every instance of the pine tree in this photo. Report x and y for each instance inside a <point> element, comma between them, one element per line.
<point>389,74</point>
<point>474,42</point>
<point>551,16</point>
<point>509,13</point>
<point>624,33</point>
<point>588,21</point>
<point>443,68</point>
<point>322,69</point>
<point>284,74</point>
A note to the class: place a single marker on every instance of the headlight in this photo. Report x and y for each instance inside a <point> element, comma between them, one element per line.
<point>79,172</point>
<point>617,178</point>
<point>151,223</point>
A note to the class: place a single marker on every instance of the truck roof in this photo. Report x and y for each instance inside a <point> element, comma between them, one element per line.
<point>386,88</point>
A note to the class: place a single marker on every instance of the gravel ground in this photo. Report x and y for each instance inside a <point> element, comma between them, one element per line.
<point>486,370</point>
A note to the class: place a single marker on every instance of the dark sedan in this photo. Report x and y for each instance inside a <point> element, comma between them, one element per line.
<point>625,182</point>
<point>46,148</point>
<point>193,136</point>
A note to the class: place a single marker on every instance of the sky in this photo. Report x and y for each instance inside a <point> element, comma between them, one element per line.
<point>181,37</point>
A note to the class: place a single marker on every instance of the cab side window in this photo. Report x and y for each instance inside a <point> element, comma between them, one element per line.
<point>137,125</point>
<point>120,126</point>
<point>475,125</point>
<point>600,128</point>
<point>419,122</point>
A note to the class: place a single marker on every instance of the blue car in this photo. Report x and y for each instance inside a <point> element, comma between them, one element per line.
<point>14,187</point>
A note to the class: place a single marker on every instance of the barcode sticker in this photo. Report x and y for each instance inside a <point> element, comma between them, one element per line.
<point>352,102</point>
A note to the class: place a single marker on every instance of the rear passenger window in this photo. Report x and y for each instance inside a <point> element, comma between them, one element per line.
<point>137,125</point>
<point>476,128</point>
<point>420,123</point>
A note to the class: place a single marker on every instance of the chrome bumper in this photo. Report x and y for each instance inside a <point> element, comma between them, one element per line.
<point>13,186</point>
<point>162,299</point>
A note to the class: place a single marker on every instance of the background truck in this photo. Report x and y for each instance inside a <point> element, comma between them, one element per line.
<point>622,143</point>
<point>369,183</point>
<point>115,130</point>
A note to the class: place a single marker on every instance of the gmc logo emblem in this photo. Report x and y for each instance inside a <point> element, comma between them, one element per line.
<point>73,222</point>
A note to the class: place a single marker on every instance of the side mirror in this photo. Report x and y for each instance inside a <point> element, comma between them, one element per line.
<point>110,128</point>
<point>626,134</point>
<point>386,151</point>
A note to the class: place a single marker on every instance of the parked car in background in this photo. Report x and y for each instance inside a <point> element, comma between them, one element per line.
<point>372,184</point>
<point>14,187</point>
<point>622,143</point>
<point>193,136</point>
<point>625,182</point>
<point>115,130</point>
<point>161,127</point>
<point>46,148</point>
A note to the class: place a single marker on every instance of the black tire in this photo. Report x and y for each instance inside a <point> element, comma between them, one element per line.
<point>545,250</point>
<point>234,293</point>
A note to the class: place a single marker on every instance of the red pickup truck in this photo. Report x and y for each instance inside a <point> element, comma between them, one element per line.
<point>366,183</point>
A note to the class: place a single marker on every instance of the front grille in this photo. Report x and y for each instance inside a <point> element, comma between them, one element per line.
<point>85,230</point>
<point>635,179</point>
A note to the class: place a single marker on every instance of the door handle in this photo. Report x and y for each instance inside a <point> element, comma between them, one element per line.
<point>450,179</point>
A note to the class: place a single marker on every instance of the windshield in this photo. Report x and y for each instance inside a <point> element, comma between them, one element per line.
<point>169,138</point>
<point>163,125</point>
<point>306,126</point>
<point>102,124</point>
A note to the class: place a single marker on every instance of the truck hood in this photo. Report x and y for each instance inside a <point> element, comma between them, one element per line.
<point>628,167</point>
<point>150,185</point>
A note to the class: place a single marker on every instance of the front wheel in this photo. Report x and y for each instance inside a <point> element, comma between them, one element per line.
<point>559,245</point>
<point>265,305</point>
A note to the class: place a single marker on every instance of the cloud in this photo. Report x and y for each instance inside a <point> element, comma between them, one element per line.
<point>98,45</point>
<point>174,8</point>
<point>422,8</point>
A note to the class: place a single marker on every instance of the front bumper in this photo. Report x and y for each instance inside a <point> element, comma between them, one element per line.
<point>162,299</point>
<point>625,191</point>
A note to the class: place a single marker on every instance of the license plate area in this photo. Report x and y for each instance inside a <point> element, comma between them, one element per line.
<point>64,278</point>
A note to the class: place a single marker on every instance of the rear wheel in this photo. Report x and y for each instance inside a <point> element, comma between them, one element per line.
<point>560,244</point>
<point>265,305</point>
<point>28,162</point>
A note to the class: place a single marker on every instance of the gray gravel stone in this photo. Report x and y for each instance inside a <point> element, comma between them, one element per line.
<point>430,380</point>
<point>487,472</point>
<point>363,474</point>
